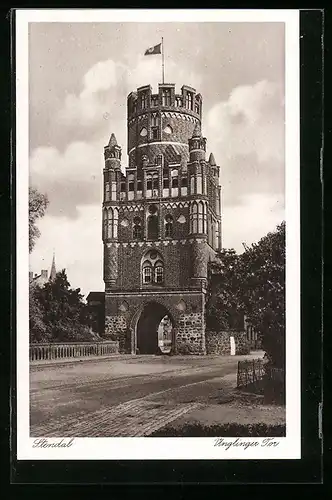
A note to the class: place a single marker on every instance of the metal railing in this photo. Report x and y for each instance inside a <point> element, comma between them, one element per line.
<point>250,372</point>
<point>38,352</point>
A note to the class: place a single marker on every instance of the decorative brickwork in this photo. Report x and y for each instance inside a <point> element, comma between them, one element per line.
<point>164,205</point>
<point>110,263</point>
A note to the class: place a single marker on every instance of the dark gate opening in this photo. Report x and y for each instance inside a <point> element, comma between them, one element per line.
<point>154,330</point>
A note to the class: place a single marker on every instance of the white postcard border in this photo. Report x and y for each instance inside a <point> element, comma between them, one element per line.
<point>163,448</point>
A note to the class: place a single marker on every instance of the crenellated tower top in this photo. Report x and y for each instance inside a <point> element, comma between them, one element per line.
<point>161,123</point>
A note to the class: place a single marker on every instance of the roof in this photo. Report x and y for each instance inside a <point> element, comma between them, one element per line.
<point>112,142</point>
<point>100,296</point>
<point>212,161</point>
<point>197,130</point>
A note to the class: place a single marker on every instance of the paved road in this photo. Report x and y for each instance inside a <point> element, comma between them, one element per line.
<point>132,396</point>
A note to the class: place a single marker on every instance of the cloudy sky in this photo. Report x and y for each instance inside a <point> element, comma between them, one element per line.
<point>79,78</point>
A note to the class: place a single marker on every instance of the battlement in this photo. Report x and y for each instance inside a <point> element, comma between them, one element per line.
<point>143,100</point>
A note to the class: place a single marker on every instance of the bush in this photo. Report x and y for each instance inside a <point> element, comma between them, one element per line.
<point>222,430</point>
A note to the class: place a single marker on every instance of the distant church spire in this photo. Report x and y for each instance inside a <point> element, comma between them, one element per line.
<point>53,270</point>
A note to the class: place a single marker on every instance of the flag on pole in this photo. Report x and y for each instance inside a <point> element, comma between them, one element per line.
<point>153,50</point>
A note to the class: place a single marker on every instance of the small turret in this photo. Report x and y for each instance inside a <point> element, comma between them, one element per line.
<point>112,142</point>
<point>212,161</point>
<point>197,145</point>
<point>112,154</point>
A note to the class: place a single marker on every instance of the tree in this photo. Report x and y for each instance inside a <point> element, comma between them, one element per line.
<point>59,313</point>
<point>38,203</point>
<point>263,269</point>
<point>37,328</point>
<point>253,284</point>
<point>224,309</point>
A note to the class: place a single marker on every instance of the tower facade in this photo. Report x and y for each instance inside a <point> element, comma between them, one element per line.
<point>161,223</point>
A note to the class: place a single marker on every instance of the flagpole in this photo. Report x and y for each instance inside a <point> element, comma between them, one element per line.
<point>163,58</point>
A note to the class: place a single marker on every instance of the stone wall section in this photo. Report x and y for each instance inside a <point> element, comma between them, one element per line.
<point>190,334</point>
<point>116,328</point>
<point>219,342</point>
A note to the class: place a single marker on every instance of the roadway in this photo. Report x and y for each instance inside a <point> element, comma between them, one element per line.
<point>124,396</point>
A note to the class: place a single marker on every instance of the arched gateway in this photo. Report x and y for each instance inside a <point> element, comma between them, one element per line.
<point>154,329</point>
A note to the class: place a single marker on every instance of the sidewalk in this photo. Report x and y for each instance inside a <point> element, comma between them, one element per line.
<point>222,403</point>
<point>66,361</point>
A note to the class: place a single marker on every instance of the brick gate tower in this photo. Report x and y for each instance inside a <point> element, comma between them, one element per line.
<point>161,223</point>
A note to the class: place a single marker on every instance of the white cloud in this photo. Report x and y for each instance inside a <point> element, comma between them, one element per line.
<point>101,76</point>
<point>70,178</point>
<point>250,221</point>
<point>78,248</point>
<point>250,121</point>
<point>86,109</point>
<point>106,84</point>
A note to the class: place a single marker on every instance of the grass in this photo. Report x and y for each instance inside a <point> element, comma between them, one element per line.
<point>235,430</point>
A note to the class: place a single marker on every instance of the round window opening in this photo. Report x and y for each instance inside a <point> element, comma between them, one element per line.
<point>143,132</point>
<point>168,129</point>
<point>153,255</point>
<point>153,209</point>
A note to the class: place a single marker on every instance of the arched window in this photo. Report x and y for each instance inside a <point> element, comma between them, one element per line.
<point>194,218</point>
<point>184,184</point>
<point>178,102</point>
<point>217,236</point>
<point>139,188</point>
<point>165,183</point>
<point>213,235</point>
<point>115,222</point>
<point>154,120</point>
<point>107,191</point>
<point>144,100</point>
<point>166,97</point>
<point>113,191</point>
<point>159,160</point>
<point>122,189</point>
<point>155,184</point>
<point>159,272</point>
<point>199,181</point>
<point>200,217</point>
<point>153,222</point>
<point>192,184</point>
<point>168,226</point>
<point>152,268</point>
<point>131,186</point>
<point>110,223</point>
<point>105,223</point>
<point>137,229</point>
<point>210,238</point>
<point>148,185</point>
<point>175,182</point>
<point>147,272</point>
<point>205,215</point>
<point>189,100</point>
